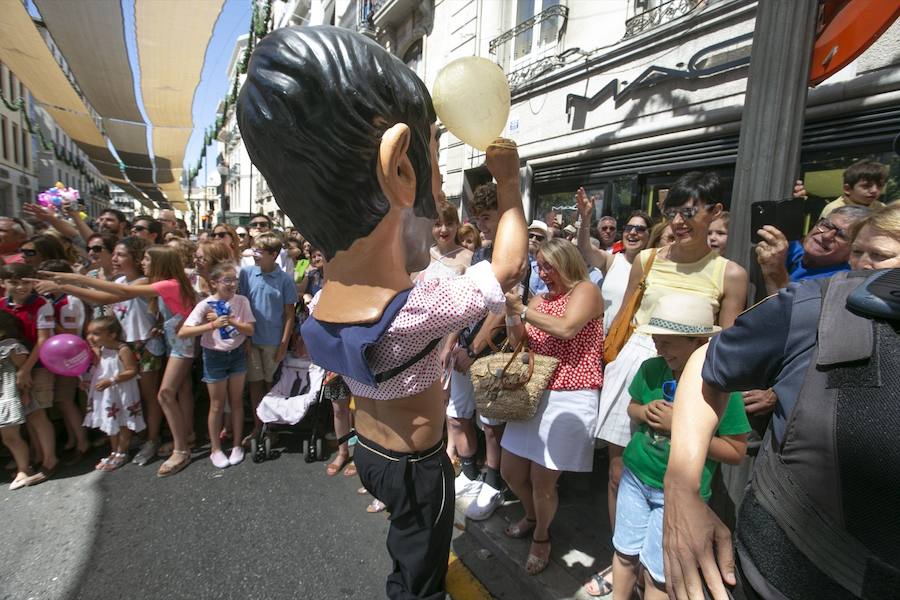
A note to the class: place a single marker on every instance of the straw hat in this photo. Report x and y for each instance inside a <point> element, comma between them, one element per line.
<point>681,314</point>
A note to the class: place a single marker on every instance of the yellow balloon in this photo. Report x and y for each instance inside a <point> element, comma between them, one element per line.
<point>471,98</point>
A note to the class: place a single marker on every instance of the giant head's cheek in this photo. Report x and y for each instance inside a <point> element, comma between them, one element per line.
<point>417,240</point>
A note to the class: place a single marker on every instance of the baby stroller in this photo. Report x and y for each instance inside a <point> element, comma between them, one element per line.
<point>301,387</point>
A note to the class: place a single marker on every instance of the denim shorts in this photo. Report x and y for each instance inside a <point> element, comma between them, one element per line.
<point>219,365</point>
<point>639,523</point>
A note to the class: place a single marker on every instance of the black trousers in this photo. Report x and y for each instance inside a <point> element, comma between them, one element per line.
<point>418,492</point>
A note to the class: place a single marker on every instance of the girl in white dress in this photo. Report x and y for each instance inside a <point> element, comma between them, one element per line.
<point>114,400</point>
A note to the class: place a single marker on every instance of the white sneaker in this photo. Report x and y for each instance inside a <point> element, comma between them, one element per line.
<point>485,504</point>
<point>237,455</point>
<point>465,487</point>
<point>219,460</point>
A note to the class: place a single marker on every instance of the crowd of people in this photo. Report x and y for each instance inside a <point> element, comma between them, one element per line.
<point>160,307</point>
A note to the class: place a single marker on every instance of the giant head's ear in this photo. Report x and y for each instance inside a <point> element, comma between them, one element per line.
<point>395,171</point>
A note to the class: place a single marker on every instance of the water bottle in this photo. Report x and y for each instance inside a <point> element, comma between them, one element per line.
<point>222,309</point>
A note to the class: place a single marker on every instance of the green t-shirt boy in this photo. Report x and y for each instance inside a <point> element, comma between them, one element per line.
<point>647,454</point>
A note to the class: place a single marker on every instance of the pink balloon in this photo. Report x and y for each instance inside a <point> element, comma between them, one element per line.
<point>66,354</point>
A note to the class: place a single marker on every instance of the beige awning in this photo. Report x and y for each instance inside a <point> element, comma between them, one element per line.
<point>24,52</point>
<point>172,36</point>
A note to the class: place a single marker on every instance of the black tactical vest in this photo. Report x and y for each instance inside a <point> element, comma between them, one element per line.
<point>823,521</point>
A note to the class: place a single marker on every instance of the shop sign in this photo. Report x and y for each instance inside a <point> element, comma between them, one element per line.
<point>577,106</point>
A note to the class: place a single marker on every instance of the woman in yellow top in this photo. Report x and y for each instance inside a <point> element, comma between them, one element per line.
<point>685,266</point>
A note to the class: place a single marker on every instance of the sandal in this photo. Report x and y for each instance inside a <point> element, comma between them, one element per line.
<point>113,461</point>
<point>101,464</point>
<point>170,468</point>
<point>167,448</point>
<point>350,470</point>
<point>362,491</point>
<point>599,583</point>
<point>535,564</point>
<point>41,476</point>
<point>334,467</point>
<point>376,506</point>
<point>517,533</point>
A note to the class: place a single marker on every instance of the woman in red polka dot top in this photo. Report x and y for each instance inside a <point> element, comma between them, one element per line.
<point>567,323</point>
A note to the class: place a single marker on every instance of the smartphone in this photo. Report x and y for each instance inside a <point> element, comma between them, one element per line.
<point>785,215</point>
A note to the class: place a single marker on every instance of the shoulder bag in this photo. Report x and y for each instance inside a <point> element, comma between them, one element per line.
<point>623,326</point>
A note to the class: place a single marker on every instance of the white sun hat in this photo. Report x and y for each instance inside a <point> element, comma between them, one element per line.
<point>681,314</point>
<point>537,225</point>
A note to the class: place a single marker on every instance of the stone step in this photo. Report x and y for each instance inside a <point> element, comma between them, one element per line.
<point>580,536</point>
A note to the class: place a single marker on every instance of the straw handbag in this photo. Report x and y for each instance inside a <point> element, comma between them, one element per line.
<point>508,385</point>
<point>623,326</point>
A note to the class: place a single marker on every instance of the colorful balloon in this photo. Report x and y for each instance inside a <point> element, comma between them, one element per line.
<point>471,97</point>
<point>66,355</point>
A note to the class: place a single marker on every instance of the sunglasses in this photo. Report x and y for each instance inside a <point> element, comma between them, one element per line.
<point>138,228</point>
<point>609,228</point>
<point>220,235</point>
<point>243,235</point>
<point>536,236</point>
<point>259,225</point>
<point>634,228</point>
<point>29,252</point>
<point>97,249</point>
<point>687,212</point>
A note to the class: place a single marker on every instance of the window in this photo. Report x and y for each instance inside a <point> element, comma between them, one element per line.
<point>15,143</point>
<point>13,85</point>
<point>3,72</point>
<point>413,56</point>
<point>526,42</point>
<point>24,148</point>
<point>5,142</point>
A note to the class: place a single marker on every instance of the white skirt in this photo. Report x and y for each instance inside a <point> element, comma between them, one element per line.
<point>613,423</point>
<point>560,434</point>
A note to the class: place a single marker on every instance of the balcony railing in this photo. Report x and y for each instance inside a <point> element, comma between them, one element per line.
<point>555,11</point>
<point>662,13</point>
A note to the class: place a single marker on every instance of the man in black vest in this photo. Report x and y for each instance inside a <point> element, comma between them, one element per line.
<point>820,519</point>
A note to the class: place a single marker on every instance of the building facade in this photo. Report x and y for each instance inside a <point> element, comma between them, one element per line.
<point>18,179</point>
<point>624,97</point>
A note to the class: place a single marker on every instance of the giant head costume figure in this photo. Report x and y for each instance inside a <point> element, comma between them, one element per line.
<point>343,132</point>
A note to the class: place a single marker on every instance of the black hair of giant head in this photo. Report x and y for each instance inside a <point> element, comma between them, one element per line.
<point>703,186</point>
<point>312,113</point>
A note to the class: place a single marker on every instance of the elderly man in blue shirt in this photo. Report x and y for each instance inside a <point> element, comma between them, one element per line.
<point>822,253</point>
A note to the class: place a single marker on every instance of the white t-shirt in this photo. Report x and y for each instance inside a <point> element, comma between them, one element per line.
<point>72,314</point>
<point>134,315</point>
<point>613,288</point>
<point>240,308</point>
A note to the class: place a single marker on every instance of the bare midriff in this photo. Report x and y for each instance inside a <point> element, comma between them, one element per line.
<point>410,424</point>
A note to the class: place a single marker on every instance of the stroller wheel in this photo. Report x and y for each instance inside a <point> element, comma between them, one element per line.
<point>254,451</point>
<point>320,454</point>
<point>267,446</point>
<point>304,448</point>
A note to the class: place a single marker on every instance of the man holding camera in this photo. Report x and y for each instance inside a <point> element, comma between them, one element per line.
<point>823,252</point>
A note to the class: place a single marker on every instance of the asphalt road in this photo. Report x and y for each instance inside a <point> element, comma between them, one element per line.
<point>279,529</point>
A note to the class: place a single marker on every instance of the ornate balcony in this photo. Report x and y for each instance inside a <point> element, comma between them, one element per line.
<point>557,11</point>
<point>658,15</point>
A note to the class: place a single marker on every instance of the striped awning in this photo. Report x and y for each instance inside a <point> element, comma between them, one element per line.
<point>171,36</point>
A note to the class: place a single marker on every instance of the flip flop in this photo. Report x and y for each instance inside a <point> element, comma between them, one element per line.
<point>376,506</point>
<point>350,470</point>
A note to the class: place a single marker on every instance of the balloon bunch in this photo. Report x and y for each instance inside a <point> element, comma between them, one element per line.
<point>55,196</point>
